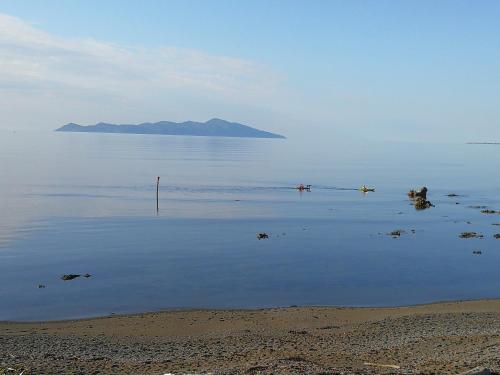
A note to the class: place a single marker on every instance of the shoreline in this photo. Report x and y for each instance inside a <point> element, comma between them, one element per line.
<point>442,337</point>
<point>242,310</point>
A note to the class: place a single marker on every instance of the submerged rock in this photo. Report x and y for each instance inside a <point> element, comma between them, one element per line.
<point>497,235</point>
<point>396,233</point>
<point>490,212</point>
<point>262,236</point>
<point>470,235</point>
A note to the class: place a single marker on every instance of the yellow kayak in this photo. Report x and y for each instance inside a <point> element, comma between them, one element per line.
<point>365,189</point>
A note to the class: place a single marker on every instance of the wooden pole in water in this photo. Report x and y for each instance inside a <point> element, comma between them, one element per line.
<point>157,192</point>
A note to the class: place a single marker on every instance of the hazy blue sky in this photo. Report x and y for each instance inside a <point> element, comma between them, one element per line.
<point>383,69</point>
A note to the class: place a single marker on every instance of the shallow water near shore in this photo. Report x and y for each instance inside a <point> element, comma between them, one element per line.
<point>85,203</point>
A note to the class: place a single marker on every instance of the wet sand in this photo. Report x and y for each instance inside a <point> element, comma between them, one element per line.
<point>442,338</point>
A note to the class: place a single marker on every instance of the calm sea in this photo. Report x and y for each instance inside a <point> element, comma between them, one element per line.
<point>85,203</point>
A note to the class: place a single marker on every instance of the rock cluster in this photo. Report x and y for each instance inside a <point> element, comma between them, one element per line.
<point>419,198</point>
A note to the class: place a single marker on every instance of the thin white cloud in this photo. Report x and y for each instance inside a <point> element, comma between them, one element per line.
<point>35,64</point>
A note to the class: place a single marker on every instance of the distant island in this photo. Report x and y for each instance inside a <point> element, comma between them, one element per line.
<point>483,143</point>
<point>212,128</point>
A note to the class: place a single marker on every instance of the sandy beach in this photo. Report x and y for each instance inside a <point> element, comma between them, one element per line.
<point>441,338</point>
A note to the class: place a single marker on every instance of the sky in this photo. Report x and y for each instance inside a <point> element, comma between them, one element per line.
<point>389,70</point>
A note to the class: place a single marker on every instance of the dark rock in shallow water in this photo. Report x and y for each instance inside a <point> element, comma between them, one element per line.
<point>421,203</point>
<point>262,236</point>
<point>422,192</point>
<point>69,277</point>
<point>470,235</point>
<point>490,212</point>
<point>477,252</point>
<point>419,198</point>
<point>396,233</point>
<point>497,236</point>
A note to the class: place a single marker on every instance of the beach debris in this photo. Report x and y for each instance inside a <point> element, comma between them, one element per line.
<point>303,187</point>
<point>262,236</point>
<point>396,233</point>
<point>478,371</point>
<point>470,235</point>
<point>490,212</point>
<point>477,252</point>
<point>366,189</point>
<point>381,365</point>
<point>329,327</point>
<point>294,332</point>
<point>9,370</point>
<point>497,235</point>
<point>41,286</point>
<point>295,358</point>
<point>255,369</point>
<point>419,198</point>
<point>69,277</point>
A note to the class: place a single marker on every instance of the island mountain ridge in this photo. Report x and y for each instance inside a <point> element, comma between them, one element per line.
<point>214,127</point>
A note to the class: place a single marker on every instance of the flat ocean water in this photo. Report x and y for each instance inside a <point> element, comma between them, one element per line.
<point>85,203</point>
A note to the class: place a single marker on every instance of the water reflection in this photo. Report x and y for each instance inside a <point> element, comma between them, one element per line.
<point>78,203</point>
